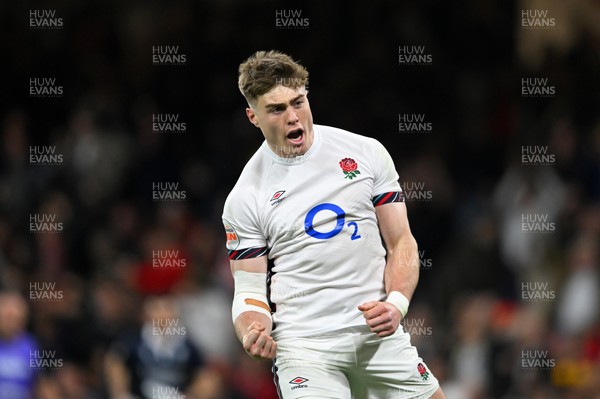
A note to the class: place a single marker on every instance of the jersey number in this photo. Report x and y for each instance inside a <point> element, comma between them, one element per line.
<point>340,222</point>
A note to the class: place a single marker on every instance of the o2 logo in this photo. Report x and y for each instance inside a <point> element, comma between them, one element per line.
<point>340,222</point>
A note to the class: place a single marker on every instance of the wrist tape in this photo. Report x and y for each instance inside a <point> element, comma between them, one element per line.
<point>250,294</point>
<point>399,300</point>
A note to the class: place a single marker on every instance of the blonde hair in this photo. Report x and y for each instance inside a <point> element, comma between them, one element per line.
<point>266,69</point>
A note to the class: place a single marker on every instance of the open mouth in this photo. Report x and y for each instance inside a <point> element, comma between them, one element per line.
<point>295,135</point>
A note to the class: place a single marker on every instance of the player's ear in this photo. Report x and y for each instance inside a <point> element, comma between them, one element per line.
<point>252,116</point>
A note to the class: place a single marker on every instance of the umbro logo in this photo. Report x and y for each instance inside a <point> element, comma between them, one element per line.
<point>299,382</point>
<point>277,197</point>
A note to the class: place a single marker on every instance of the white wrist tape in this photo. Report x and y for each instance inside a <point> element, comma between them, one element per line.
<point>399,300</point>
<point>250,294</point>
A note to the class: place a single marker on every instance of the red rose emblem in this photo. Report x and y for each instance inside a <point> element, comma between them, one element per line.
<point>423,371</point>
<point>349,167</point>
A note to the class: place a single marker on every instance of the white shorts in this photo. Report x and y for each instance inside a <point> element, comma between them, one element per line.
<point>352,363</point>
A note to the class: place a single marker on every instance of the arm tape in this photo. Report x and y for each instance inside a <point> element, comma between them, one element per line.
<point>250,294</point>
<point>398,299</point>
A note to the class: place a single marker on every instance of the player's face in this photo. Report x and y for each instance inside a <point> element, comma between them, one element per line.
<point>283,115</point>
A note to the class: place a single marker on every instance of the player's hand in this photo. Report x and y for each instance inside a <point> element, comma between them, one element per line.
<point>257,343</point>
<point>383,317</point>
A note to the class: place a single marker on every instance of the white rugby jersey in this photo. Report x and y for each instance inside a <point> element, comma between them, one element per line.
<point>314,217</point>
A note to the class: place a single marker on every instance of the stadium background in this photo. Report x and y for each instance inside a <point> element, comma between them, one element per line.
<point>492,292</point>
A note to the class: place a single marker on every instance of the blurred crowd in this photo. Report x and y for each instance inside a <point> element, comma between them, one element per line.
<point>82,306</point>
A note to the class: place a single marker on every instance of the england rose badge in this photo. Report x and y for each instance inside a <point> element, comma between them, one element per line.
<point>350,168</point>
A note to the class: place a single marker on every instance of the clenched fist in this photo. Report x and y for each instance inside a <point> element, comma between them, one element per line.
<point>257,343</point>
<point>383,317</point>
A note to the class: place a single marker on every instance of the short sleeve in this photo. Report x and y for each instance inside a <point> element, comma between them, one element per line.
<point>385,175</point>
<point>243,234</point>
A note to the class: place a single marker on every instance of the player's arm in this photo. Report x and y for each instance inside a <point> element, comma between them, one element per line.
<point>401,271</point>
<point>402,266</point>
<point>251,312</point>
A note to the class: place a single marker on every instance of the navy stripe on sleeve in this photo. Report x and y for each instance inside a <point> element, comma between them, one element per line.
<point>387,198</point>
<point>247,253</point>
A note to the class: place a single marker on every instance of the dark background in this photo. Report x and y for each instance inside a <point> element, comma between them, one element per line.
<point>471,296</point>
